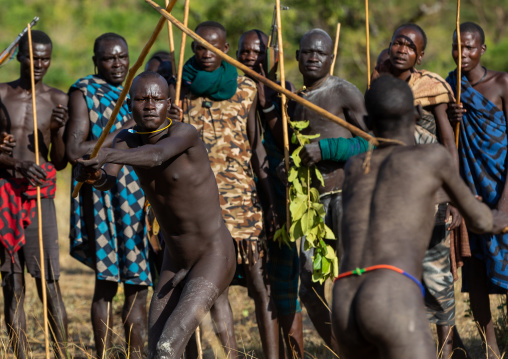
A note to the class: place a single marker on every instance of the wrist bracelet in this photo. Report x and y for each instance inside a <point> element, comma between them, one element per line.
<point>269,109</point>
<point>103,182</point>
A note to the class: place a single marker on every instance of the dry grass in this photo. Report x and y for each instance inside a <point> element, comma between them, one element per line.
<point>77,289</point>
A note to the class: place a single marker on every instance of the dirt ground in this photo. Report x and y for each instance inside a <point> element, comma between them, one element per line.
<point>77,288</point>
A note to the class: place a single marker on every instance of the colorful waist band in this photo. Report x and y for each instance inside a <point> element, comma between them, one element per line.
<point>360,271</point>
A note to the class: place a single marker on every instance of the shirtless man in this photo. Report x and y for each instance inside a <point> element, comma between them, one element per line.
<point>283,266</point>
<point>381,313</point>
<point>342,99</point>
<point>16,119</point>
<point>432,93</point>
<point>482,152</point>
<point>173,167</point>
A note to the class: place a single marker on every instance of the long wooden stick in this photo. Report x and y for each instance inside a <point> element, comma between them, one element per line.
<point>335,49</point>
<point>258,77</point>
<point>125,90</point>
<point>459,72</point>
<point>182,53</point>
<point>39,209</point>
<point>283,105</point>
<point>368,40</point>
<point>171,45</point>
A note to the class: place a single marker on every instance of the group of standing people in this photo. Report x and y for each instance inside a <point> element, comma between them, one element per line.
<point>207,165</point>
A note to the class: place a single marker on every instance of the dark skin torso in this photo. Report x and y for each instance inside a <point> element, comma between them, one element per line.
<point>17,119</point>
<point>341,102</point>
<point>491,84</point>
<point>184,197</point>
<point>380,227</point>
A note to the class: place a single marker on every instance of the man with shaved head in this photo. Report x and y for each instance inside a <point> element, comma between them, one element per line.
<point>344,100</point>
<point>172,164</point>
<point>378,307</point>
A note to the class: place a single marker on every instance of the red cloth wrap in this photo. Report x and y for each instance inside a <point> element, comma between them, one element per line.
<point>18,203</point>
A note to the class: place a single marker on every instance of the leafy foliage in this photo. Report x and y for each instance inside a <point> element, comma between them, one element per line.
<point>307,213</point>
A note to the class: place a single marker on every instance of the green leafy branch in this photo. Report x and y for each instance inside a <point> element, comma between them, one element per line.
<point>307,212</point>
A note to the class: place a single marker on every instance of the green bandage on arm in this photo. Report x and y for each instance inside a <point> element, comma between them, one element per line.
<point>341,149</point>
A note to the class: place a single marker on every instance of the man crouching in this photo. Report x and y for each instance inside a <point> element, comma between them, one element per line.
<point>174,171</point>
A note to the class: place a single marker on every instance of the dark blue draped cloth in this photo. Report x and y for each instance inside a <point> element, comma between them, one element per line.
<point>482,152</point>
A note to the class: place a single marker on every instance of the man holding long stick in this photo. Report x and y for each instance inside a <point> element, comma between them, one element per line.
<point>482,152</point>
<point>343,99</point>
<point>221,105</point>
<point>173,166</point>
<point>18,177</point>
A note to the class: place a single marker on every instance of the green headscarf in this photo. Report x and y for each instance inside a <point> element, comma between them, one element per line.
<point>218,85</point>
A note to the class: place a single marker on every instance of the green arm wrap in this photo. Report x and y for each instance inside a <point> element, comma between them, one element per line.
<point>341,149</point>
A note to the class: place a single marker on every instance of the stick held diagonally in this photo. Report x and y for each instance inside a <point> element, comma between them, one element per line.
<point>126,87</point>
<point>353,129</point>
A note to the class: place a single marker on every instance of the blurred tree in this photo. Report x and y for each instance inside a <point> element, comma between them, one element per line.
<point>74,24</point>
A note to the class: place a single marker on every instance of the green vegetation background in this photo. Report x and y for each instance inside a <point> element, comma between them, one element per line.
<point>74,24</point>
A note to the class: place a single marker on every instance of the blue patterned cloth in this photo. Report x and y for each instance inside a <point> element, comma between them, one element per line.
<point>121,243</point>
<point>482,152</point>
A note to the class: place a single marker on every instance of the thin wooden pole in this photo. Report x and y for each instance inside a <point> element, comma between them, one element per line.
<point>459,73</point>
<point>182,53</point>
<point>335,49</point>
<point>368,40</point>
<point>39,209</point>
<point>198,342</point>
<point>125,90</point>
<point>171,45</point>
<point>283,105</point>
<point>262,79</point>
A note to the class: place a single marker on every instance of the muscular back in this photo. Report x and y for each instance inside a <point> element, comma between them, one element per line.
<point>389,212</point>
<point>342,99</point>
<point>16,118</point>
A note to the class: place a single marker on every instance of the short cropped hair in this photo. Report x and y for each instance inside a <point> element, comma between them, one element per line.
<point>317,31</point>
<point>161,56</point>
<point>104,37</point>
<point>213,25</point>
<point>417,28</point>
<point>38,37</point>
<point>471,27</point>
<point>389,99</point>
<point>148,75</point>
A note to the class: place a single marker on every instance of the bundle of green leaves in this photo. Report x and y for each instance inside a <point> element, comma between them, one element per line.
<point>307,213</point>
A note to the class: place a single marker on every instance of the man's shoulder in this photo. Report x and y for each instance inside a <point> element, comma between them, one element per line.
<point>186,129</point>
<point>340,83</point>
<point>6,87</point>
<point>57,95</point>
<point>428,78</point>
<point>336,85</point>
<point>432,154</point>
<point>244,81</point>
<point>500,78</point>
